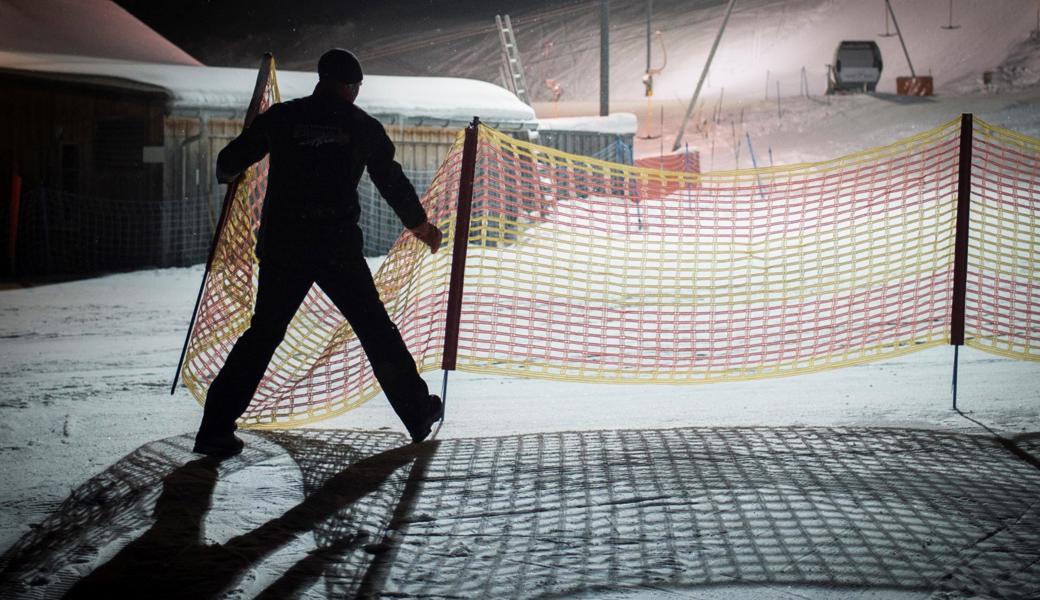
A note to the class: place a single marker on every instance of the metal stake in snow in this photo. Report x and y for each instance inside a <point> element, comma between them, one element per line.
<point>458,255</point>
<point>649,19</point>
<point>262,80</point>
<point>779,111</point>
<point>754,163</point>
<point>902,42</point>
<point>704,74</point>
<point>736,144</point>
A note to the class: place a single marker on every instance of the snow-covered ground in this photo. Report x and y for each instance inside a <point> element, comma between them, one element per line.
<point>86,366</point>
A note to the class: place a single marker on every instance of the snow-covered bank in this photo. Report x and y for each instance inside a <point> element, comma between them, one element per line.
<point>810,129</point>
<point>86,367</point>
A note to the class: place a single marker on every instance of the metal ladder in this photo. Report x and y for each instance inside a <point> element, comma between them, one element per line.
<point>512,70</point>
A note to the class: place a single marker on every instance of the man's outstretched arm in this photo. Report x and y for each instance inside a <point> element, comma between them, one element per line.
<point>399,193</point>
<point>250,146</point>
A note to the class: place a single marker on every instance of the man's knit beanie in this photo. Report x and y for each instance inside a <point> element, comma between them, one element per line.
<point>339,65</point>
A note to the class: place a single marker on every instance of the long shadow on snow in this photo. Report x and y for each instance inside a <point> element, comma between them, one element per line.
<point>171,558</point>
<point>554,514</point>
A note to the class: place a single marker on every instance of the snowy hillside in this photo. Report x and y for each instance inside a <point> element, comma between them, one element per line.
<point>766,43</point>
<point>560,40</point>
<point>815,128</point>
<point>780,37</point>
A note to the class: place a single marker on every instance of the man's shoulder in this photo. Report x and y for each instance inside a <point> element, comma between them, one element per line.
<point>296,106</point>
<point>275,111</point>
<point>289,113</point>
<point>366,120</point>
<point>289,106</point>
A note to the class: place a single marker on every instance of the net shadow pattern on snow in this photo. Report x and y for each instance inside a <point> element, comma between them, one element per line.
<point>139,529</point>
<point>109,508</point>
<point>554,514</point>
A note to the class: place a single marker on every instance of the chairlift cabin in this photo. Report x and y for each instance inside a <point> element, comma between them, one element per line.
<point>856,68</point>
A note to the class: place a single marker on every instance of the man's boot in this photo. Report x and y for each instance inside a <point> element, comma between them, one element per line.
<point>223,446</point>
<point>426,416</point>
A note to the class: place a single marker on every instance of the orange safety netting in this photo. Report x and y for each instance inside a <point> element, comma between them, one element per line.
<point>1003,295</point>
<point>585,270</point>
<point>579,269</point>
<point>320,368</point>
<point>687,162</point>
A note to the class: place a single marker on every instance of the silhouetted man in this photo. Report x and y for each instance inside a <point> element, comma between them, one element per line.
<point>319,146</point>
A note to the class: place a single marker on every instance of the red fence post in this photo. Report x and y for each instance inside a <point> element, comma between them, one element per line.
<point>960,246</point>
<point>461,243</point>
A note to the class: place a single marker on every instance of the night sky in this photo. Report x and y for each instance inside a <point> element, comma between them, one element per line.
<point>387,35</point>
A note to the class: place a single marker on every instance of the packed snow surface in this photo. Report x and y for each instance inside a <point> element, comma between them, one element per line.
<point>618,123</point>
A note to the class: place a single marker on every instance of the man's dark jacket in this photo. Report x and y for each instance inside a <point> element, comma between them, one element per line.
<point>319,147</point>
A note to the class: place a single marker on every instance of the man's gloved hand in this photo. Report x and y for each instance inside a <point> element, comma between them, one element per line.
<point>427,234</point>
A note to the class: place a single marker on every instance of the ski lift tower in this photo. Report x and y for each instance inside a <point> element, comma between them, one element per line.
<point>648,76</point>
<point>512,69</point>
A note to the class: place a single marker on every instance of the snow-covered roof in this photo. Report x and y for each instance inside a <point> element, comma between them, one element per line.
<point>84,27</point>
<point>435,101</point>
<point>616,123</point>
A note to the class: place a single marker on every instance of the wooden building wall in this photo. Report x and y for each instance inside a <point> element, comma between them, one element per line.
<point>89,196</point>
<point>421,148</point>
<point>81,138</point>
<point>115,179</point>
<point>192,145</point>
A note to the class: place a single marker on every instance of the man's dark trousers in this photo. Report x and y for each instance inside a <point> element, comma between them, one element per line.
<point>281,290</point>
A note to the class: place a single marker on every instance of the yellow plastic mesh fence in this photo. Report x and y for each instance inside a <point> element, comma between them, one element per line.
<point>585,270</point>
<point>1003,297</point>
<point>592,271</point>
